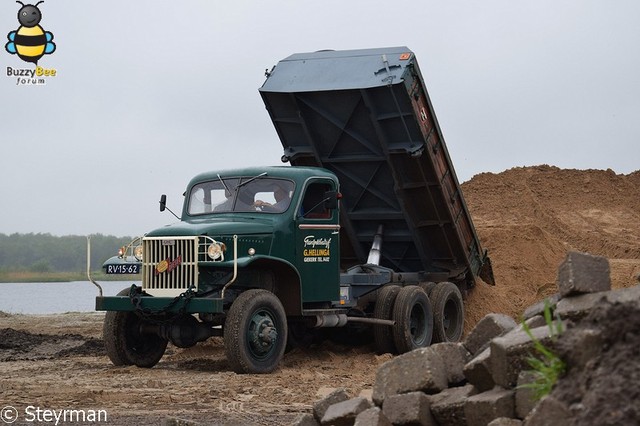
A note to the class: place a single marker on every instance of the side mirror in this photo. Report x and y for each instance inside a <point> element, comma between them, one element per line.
<point>163,202</point>
<point>331,200</point>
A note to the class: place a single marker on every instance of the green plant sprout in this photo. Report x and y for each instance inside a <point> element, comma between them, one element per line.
<point>547,367</point>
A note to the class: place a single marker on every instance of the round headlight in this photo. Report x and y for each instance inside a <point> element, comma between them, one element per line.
<point>216,251</point>
<point>137,252</point>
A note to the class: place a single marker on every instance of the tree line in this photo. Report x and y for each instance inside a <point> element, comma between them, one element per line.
<point>50,253</point>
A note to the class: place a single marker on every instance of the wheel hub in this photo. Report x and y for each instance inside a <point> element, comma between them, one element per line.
<point>418,325</point>
<point>262,333</point>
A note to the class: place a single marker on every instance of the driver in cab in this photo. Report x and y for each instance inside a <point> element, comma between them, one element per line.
<point>282,198</point>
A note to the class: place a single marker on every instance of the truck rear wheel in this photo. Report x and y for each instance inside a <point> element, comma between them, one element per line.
<point>255,333</point>
<point>383,334</point>
<point>448,312</point>
<point>126,345</point>
<point>413,319</point>
<point>427,286</point>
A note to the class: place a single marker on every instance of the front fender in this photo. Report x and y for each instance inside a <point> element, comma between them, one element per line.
<point>288,283</point>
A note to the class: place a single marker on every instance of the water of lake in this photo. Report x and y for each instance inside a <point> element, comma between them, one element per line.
<point>52,298</point>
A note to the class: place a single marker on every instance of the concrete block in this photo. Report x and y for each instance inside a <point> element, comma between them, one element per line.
<point>504,421</point>
<point>306,419</point>
<point>509,354</point>
<point>484,407</point>
<point>624,295</point>
<point>538,308</point>
<point>344,413</point>
<point>577,307</point>
<point>455,357</point>
<point>581,273</point>
<point>534,322</point>
<point>408,409</point>
<point>335,396</point>
<point>372,417</point>
<point>419,370</point>
<point>492,325</point>
<point>549,412</point>
<point>447,407</point>
<point>478,371</point>
<point>525,396</point>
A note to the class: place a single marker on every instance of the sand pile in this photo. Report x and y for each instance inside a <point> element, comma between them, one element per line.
<point>529,217</point>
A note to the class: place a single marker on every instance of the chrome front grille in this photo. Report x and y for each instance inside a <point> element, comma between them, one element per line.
<point>169,265</point>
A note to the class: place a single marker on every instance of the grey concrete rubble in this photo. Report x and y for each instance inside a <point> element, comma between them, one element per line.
<point>549,412</point>
<point>510,353</point>
<point>478,371</point>
<point>320,407</point>
<point>504,421</point>
<point>454,356</point>
<point>492,325</point>
<point>525,398</point>
<point>537,309</point>
<point>412,408</point>
<point>419,370</point>
<point>345,412</point>
<point>447,407</point>
<point>583,273</point>
<point>372,417</point>
<point>484,379</point>
<point>484,407</point>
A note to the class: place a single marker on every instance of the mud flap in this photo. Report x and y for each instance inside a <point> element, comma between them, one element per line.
<point>486,271</point>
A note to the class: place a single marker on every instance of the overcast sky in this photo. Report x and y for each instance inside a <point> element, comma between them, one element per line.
<point>149,93</point>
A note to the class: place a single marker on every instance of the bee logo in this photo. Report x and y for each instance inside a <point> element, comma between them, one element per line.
<point>30,42</point>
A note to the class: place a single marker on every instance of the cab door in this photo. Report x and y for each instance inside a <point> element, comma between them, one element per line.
<point>318,242</point>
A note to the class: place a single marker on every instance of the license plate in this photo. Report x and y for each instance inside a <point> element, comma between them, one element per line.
<point>133,268</point>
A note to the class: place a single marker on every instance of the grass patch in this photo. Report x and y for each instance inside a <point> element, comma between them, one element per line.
<point>546,367</point>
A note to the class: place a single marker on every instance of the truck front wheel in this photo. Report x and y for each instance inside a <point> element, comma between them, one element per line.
<point>255,332</point>
<point>448,312</point>
<point>125,344</point>
<point>413,319</point>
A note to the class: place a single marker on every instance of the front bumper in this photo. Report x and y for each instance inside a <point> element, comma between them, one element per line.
<point>155,304</point>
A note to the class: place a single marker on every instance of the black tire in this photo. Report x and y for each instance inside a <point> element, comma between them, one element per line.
<point>383,334</point>
<point>125,344</point>
<point>115,351</point>
<point>428,287</point>
<point>249,349</point>
<point>448,312</point>
<point>414,321</point>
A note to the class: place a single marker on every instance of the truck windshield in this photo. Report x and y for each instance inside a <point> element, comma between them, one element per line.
<point>240,194</point>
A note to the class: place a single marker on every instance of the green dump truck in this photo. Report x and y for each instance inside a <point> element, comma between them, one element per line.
<point>367,225</point>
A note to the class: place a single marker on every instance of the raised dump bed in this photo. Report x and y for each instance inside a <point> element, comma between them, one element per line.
<point>366,116</point>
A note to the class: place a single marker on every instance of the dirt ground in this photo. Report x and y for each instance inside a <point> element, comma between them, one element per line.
<point>527,218</point>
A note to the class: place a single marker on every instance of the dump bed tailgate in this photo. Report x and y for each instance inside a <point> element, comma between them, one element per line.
<point>366,116</point>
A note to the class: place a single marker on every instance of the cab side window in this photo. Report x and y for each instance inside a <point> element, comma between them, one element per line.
<point>313,205</point>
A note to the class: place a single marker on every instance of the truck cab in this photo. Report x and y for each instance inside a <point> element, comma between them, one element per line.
<point>277,227</point>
